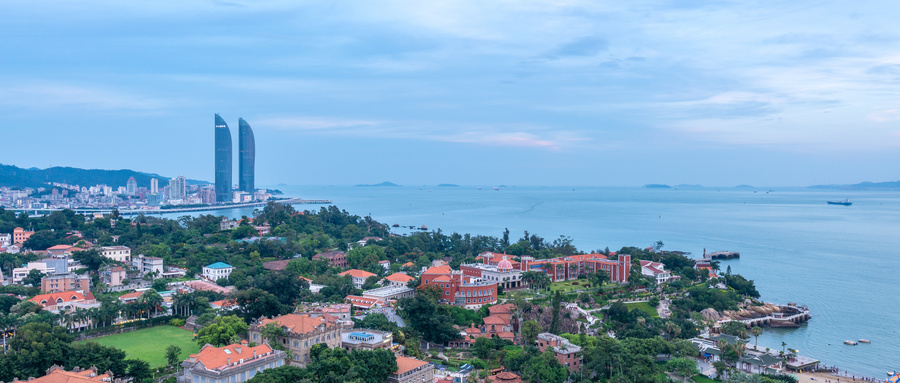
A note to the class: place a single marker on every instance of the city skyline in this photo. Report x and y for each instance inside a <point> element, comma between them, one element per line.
<point>223,162</point>
<point>535,93</point>
<point>247,157</point>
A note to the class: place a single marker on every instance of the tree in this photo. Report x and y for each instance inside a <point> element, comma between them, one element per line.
<point>105,358</point>
<point>756,331</point>
<point>422,314</point>
<point>160,284</point>
<point>38,346</point>
<point>433,292</point>
<point>255,303</point>
<point>137,370</point>
<point>281,374</point>
<point>173,354</point>
<point>271,332</point>
<point>598,278</point>
<point>545,369</point>
<point>222,331</point>
<point>483,348</point>
<point>33,278</point>
<point>555,304</point>
<point>530,331</point>
<point>685,367</point>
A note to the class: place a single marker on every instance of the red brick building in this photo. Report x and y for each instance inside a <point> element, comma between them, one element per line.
<point>459,289</point>
<point>570,267</point>
<point>567,354</point>
<point>336,258</point>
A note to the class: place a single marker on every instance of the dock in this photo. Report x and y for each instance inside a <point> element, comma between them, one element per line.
<point>720,255</point>
<point>793,318</point>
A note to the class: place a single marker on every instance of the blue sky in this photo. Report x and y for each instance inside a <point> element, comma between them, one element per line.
<point>775,93</point>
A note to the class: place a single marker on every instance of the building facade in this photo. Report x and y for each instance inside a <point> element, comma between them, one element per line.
<point>234,363</point>
<point>567,354</point>
<point>459,289</point>
<point>145,264</point>
<point>364,339</point>
<point>21,235</point>
<point>65,282</point>
<point>247,157</point>
<point>217,270</point>
<point>336,258</point>
<point>301,333</point>
<point>223,161</point>
<point>358,276</point>
<point>117,253</point>
<point>411,370</point>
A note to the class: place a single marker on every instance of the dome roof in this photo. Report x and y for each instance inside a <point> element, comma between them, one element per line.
<point>505,264</point>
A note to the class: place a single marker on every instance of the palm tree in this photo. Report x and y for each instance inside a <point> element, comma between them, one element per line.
<point>756,331</point>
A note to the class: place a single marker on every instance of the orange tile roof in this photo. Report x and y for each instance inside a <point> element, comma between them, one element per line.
<point>405,365</point>
<point>409,264</point>
<point>502,309</point>
<point>224,303</point>
<point>214,358</point>
<point>442,278</point>
<point>443,269</point>
<point>361,301</point>
<point>131,295</point>
<point>298,324</point>
<point>63,376</point>
<point>399,277</point>
<point>357,273</point>
<point>52,298</point>
<point>495,320</point>
<point>60,247</point>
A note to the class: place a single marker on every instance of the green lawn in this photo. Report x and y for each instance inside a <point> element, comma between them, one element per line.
<point>643,306</point>
<point>150,344</point>
<point>570,286</point>
<point>703,379</point>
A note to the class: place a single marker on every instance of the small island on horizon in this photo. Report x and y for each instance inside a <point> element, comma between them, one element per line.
<point>385,183</point>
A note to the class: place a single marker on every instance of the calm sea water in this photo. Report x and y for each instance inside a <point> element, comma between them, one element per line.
<point>840,261</point>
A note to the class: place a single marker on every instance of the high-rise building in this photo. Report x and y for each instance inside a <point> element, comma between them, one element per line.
<point>154,186</point>
<point>130,186</point>
<point>177,188</point>
<point>247,157</point>
<point>223,161</point>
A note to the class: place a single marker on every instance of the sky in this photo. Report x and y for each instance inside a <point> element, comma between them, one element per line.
<point>566,92</point>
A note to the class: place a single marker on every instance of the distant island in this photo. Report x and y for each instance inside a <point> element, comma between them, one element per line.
<point>744,187</point>
<point>657,186</point>
<point>861,186</point>
<point>274,191</point>
<point>448,186</point>
<point>385,183</point>
<point>14,176</point>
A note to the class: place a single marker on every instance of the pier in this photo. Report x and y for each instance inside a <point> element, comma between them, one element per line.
<point>720,255</point>
<point>792,318</point>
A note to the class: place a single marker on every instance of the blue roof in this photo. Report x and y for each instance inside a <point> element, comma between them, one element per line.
<point>219,265</point>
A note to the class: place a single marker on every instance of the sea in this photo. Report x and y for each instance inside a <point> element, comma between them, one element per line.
<point>840,261</point>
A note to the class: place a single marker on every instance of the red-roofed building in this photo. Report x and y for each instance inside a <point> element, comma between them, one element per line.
<point>397,280</point>
<point>301,333</point>
<point>58,299</point>
<point>656,270</point>
<point>232,363</point>
<point>61,251</point>
<point>570,267</point>
<point>411,370</point>
<point>460,289</point>
<point>504,377</point>
<point>56,374</point>
<point>364,303</point>
<point>359,276</point>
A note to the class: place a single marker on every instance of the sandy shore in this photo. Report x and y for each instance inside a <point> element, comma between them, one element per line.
<point>823,377</point>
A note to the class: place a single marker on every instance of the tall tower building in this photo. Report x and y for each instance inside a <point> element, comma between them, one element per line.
<point>223,161</point>
<point>154,186</point>
<point>247,157</point>
<point>130,186</point>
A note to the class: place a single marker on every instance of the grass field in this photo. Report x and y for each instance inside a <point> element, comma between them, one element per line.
<point>643,306</point>
<point>703,379</point>
<point>150,344</point>
<point>570,286</point>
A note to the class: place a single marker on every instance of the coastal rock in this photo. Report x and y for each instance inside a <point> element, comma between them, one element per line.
<point>751,312</point>
<point>711,314</point>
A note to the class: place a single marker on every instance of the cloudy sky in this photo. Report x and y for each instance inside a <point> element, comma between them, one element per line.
<point>717,93</point>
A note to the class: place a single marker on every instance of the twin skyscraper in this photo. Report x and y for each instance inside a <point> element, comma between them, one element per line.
<point>246,159</point>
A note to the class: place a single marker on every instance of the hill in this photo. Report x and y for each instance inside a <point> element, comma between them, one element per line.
<point>381,184</point>
<point>14,176</point>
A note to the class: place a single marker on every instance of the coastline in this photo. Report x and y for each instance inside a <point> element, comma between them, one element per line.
<point>834,377</point>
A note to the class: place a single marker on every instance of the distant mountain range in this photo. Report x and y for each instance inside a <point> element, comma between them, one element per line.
<point>862,186</point>
<point>14,176</point>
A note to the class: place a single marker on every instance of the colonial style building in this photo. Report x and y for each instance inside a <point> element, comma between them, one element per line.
<point>336,258</point>
<point>301,333</point>
<point>217,270</point>
<point>459,289</point>
<point>503,273</point>
<point>410,370</point>
<point>117,253</point>
<point>396,280</point>
<point>358,276</point>
<point>234,363</point>
<point>655,270</point>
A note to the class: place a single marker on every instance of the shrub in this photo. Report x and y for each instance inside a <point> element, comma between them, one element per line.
<point>177,322</point>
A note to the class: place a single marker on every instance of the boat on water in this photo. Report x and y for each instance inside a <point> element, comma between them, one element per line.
<point>891,373</point>
<point>850,342</point>
<point>864,341</point>
<point>845,202</point>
